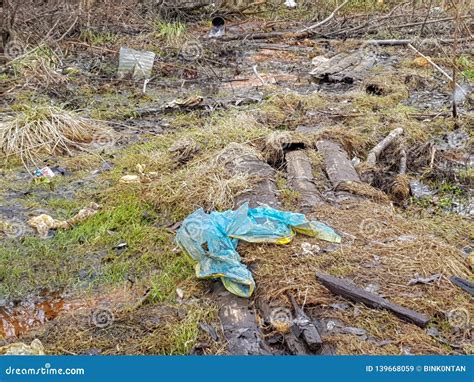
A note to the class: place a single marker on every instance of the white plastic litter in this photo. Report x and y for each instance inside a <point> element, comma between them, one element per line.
<point>137,63</point>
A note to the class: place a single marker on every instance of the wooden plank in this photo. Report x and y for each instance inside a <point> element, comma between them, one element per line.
<point>465,285</point>
<point>347,290</point>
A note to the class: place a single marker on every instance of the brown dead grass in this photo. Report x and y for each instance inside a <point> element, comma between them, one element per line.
<point>403,248</point>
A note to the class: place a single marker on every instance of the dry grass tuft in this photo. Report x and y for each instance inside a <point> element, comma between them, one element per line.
<point>37,69</point>
<point>364,189</point>
<point>207,184</point>
<point>401,187</point>
<point>37,129</point>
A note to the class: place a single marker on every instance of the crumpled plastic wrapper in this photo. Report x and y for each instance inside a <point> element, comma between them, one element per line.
<point>19,348</point>
<point>43,223</point>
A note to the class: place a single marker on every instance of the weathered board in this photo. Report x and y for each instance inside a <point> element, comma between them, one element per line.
<point>346,289</point>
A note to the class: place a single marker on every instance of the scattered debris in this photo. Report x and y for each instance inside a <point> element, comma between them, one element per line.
<point>121,246</point>
<point>345,289</point>
<point>130,179</point>
<point>308,249</point>
<point>218,27</point>
<point>142,177</point>
<point>420,190</point>
<point>180,294</point>
<point>425,280</point>
<point>44,172</point>
<point>43,223</point>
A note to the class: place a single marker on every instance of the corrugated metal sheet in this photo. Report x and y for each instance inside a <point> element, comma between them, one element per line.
<point>135,62</point>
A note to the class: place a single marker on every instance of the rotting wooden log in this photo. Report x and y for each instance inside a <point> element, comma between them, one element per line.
<point>242,159</point>
<point>374,154</point>
<point>344,67</point>
<point>238,323</point>
<point>347,290</point>
<point>236,314</point>
<point>465,285</point>
<point>300,178</point>
<point>304,328</point>
<point>338,166</point>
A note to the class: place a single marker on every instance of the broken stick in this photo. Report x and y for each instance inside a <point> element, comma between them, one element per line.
<point>382,145</point>
<point>345,289</point>
<point>327,19</point>
<point>304,328</point>
<point>438,68</point>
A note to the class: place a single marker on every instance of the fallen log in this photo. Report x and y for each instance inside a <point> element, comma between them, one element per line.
<point>242,159</point>
<point>300,178</point>
<point>347,290</point>
<point>238,323</point>
<point>237,314</point>
<point>338,166</point>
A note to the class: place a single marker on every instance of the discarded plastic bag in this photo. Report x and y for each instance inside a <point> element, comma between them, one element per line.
<point>135,62</point>
<point>211,240</point>
<point>43,223</point>
<point>20,348</point>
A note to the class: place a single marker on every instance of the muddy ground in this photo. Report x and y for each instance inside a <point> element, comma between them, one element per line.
<point>116,283</point>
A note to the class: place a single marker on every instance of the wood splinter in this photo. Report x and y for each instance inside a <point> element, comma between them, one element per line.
<point>347,290</point>
<point>303,327</point>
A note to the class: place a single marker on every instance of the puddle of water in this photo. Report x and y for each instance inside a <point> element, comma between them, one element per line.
<point>18,318</point>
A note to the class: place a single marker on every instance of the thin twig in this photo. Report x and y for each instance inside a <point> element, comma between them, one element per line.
<point>327,19</point>
<point>258,75</point>
<point>441,70</point>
